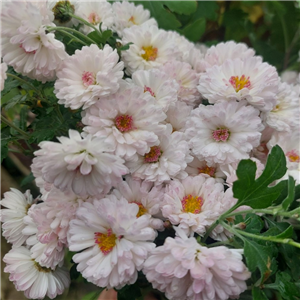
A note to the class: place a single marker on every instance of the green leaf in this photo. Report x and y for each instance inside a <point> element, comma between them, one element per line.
<point>258,294</point>
<point>129,292</point>
<point>28,179</point>
<point>261,257</point>
<point>15,100</point>
<point>207,10</point>
<point>253,222</point>
<point>93,295</point>
<point>291,256</point>
<point>195,30</point>
<point>287,289</point>
<point>4,149</point>
<point>291,194</point>
<point>256,193</point>
<point>181,7</point>
<point>234,21</point>
<point>278,229</point>
<point>164,17</point>
<point>23,118</point>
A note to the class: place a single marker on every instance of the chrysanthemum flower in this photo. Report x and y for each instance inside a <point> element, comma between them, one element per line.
<point>183,269</point>
<point>197,167</point>
<point>130,120</point>
<point>3,69</point>
<point>85,166</point>
<point>285,115</point>
<point>218,54</point>
<point>87,75</point>
<point>95,13</point>
<point>17,205</point>
<point>164,161</point>
<point>150,48</point>
<point>147,196</point>
<point>30,277</point>
<point>177,115</point>
<point>28,48</point>
<point>187,79</point>
<point>225,132</point>
<point>159,84</point>
<point>237,79</point>
<point>195,203</point>
<point>114,243</point>
<point>127,14</point>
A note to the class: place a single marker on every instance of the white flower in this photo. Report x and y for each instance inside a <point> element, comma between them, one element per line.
<point>129,120</point>
<point>95,13</point>
<point>195,203</point>
<point>87,75</point>
<point>17,205</point>
<point>290,77</point>
<point>145,195</point>
<point>127,15</point>
<point>178,114</point>
<point>84,166</point>
<point>3,69</point>
<point>217,55</point>
<point>161,86</point>
<point>237,79</point>
<point>187,79</point>
<point>197,167</point>
<point>34,280</point>
<point>150,48</point>
<point>165,161</point>
<point>285,115</point>
<point>29,49</point>
<point>114,243</point>
<point>194,58</point>
<point>184,270</point>
<point>225,132</point>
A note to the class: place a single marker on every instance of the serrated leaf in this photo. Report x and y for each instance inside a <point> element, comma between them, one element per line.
<point>15,100</point>
<point>23,118</point>
<point>259,256</point>
<point>195,30</point>
<point>291,194</point>
<point>4,149</point>
<point>258,294</point>
<point>256,193</point>
<point>207,10</point>
<point>291,256</point>
<point>129,292</point>
<point>287,289</point>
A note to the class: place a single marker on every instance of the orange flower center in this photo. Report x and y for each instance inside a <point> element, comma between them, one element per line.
<point>132,20</point>
<point>293,156</point>
<point>142,209</point>
<point>207,170</point>
<point>106,242</point>
<point>192,204</point>
<point>150,53</point>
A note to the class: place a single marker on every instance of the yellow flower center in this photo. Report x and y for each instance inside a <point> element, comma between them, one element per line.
<point>240,82</point>
<point>106,242</point>
<point>150,53</point>
<point>142,209</point>
<point>40,268</point>
<point>94,18</point>
<point>153,156</point>
<point>192,204</point>
<point>293,156</point>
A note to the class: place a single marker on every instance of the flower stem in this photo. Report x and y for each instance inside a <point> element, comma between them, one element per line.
<point>83,21</point>
<point>10,124</point>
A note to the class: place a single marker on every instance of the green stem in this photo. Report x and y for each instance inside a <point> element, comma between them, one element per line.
<point>65,31</point>
<point>215,224</point>
<point>285,32</point>
<point>14,150</point>
<point>84,22</point>
<point>7,122</point>
<point>240,233</point>
<point>59,113</point>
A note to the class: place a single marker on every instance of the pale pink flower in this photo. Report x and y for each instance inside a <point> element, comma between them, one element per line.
<point>85,166</point>
<point>183,269</point>
<point>130,120</point>
<point>16,207</point>
<point>30,277</point>
<point>3,76</point>
<point>165,161</point>
<point>112,241</point>
<point>225,132</point>
<point>147,196</point>
<point>87,75</point>
<point>237,79</point>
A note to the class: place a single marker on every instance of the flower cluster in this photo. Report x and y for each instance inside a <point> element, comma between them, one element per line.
<point>157,150</point>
